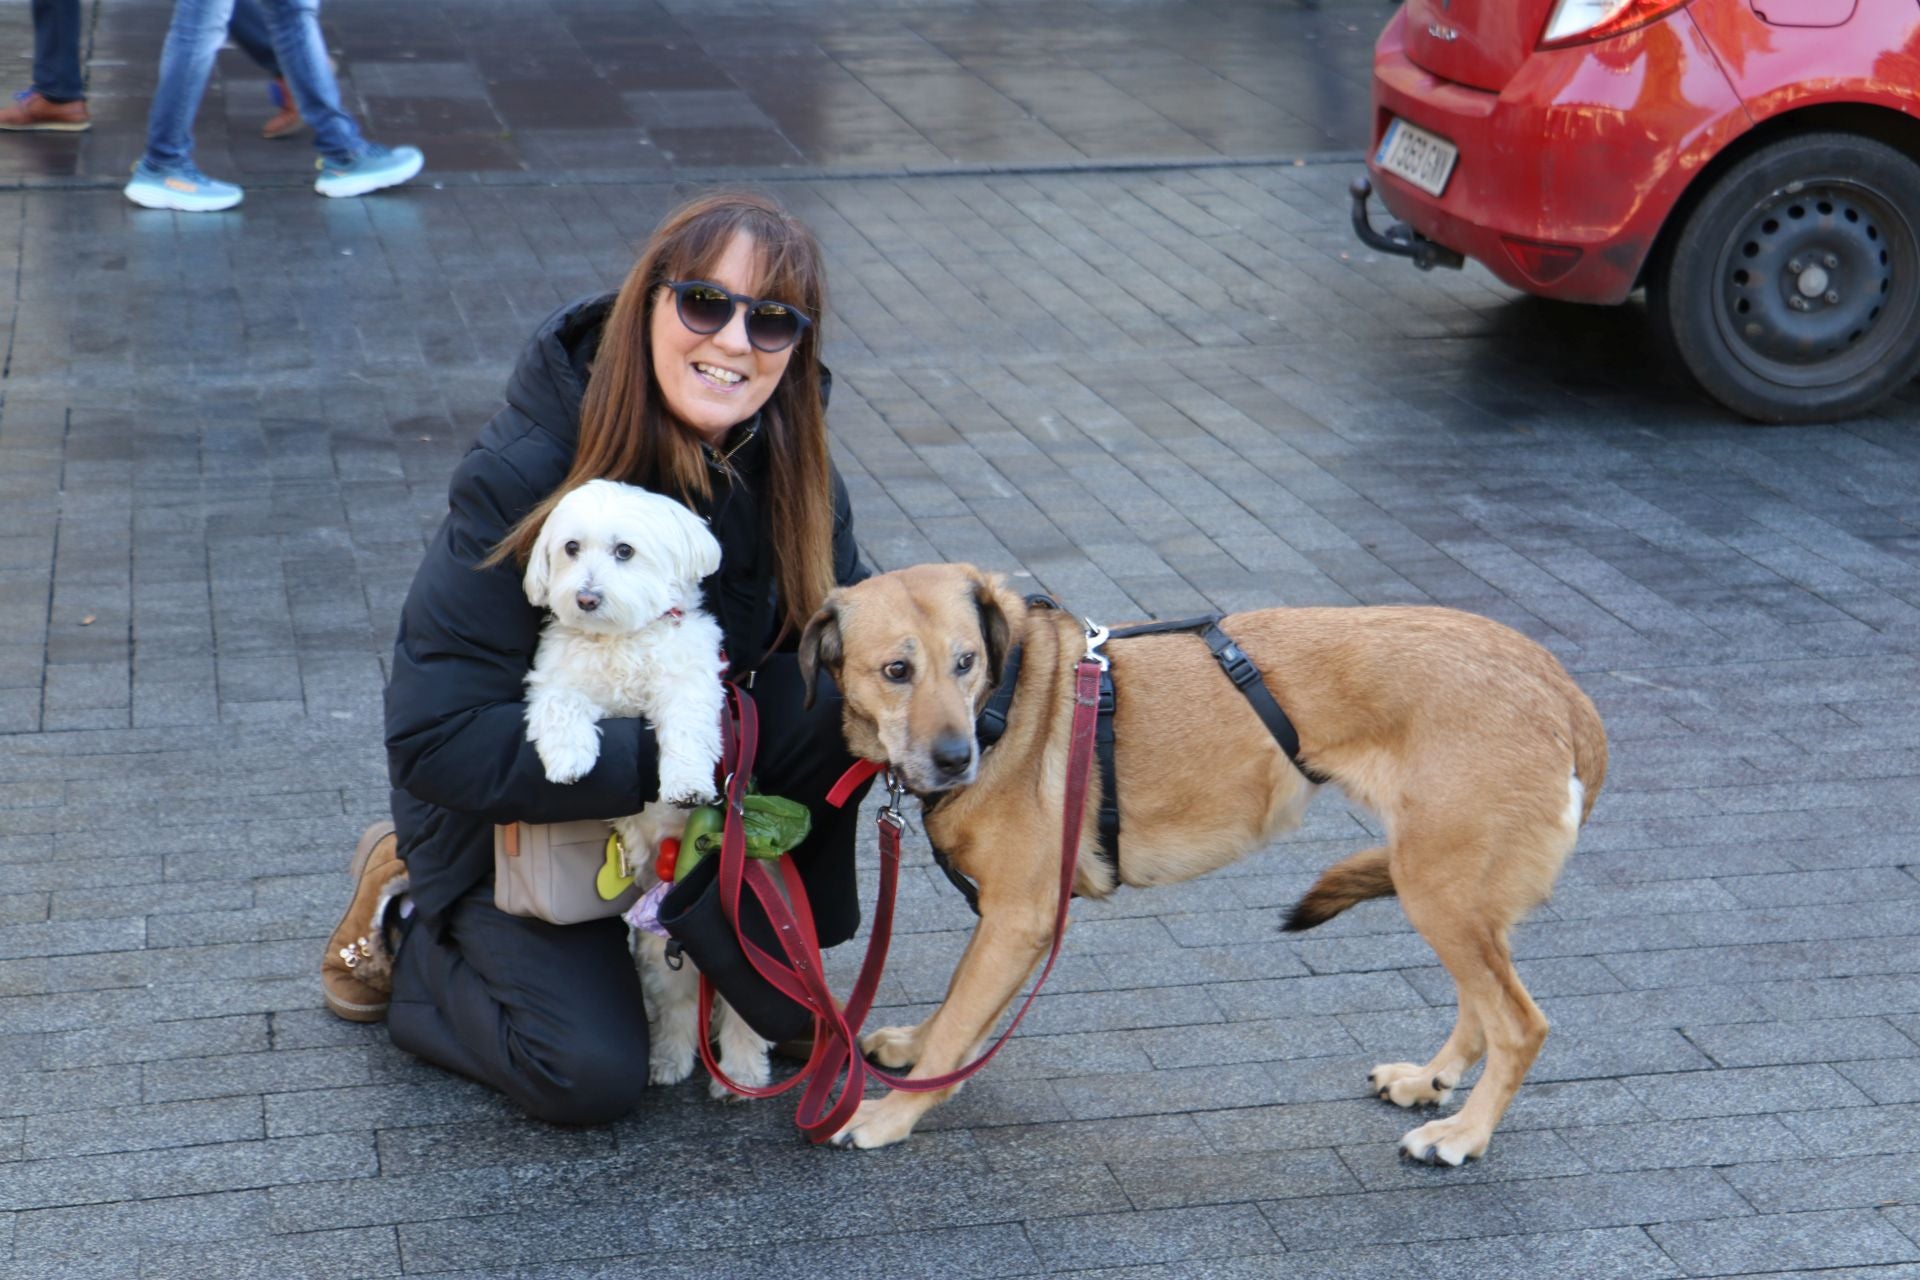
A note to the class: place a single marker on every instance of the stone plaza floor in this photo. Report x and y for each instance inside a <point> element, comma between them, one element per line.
<point>1098,320</point>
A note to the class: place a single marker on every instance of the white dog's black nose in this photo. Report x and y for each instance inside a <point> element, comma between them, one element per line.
<point>952,754</point>
<point>587,600</point>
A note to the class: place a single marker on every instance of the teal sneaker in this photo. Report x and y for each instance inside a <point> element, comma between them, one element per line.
<point>372,169</point>
<point>185,189</point>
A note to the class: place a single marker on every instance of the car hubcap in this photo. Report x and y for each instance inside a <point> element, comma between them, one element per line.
<point>1818,284</point>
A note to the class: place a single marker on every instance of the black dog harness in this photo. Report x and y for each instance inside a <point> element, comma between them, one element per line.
<point>991,724</point>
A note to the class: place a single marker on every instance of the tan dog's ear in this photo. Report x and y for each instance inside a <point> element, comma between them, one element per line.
<point>990,597</point>
<point>820,643</point>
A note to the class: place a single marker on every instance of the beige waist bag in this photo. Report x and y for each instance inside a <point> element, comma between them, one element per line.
<point>552,871</point>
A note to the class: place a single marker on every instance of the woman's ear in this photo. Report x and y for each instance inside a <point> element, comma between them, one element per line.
<point>820,644</point>
<point>538,582</point>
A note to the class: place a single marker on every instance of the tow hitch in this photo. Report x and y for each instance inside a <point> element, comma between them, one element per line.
<point>1400,239</point>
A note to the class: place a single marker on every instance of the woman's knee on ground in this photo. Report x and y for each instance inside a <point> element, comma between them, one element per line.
<point>595,1076</point>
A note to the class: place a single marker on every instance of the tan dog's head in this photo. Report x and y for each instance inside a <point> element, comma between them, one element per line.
<point>915,653</point>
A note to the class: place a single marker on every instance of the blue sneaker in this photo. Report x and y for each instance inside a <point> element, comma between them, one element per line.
<point>186,189</point>
<point>372,169</point>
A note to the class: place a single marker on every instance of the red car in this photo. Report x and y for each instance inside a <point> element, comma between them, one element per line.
<point>1755,164</point>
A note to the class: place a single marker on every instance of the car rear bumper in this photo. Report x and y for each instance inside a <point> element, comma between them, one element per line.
<point>1586,148</point>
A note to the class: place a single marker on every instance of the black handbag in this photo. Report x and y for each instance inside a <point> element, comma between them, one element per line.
<point>694,917</point>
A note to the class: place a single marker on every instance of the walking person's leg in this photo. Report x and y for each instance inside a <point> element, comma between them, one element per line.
<point>252,31</point>
<point>56,101</point>
<point>350,164</point>
<point>56,51</point>
<point>166,177</point>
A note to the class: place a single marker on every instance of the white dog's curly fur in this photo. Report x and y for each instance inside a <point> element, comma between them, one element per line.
<point>620,569</point>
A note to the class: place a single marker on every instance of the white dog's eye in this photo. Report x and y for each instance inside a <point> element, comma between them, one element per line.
<point>897,671</point>
<point>623,552</point>
<point>965,664</point>
<point>573,548</point>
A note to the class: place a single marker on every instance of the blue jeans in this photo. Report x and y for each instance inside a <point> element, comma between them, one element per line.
<point>252,32</point>
<point>56,50</point>
<point>198,30</point>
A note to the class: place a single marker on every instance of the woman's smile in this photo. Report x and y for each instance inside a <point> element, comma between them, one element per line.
<point>713,382</point>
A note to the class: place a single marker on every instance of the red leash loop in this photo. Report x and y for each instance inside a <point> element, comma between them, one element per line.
<point>800,973</point>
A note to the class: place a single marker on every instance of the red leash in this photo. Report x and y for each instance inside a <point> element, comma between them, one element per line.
<point>799,973</point>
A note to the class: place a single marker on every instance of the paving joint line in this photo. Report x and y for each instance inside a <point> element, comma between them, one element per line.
<point>711,176</point>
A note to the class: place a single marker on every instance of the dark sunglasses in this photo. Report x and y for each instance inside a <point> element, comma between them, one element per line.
<point>707,308</point>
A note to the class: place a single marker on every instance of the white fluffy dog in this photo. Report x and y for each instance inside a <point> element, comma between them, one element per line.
<point>620,569</point>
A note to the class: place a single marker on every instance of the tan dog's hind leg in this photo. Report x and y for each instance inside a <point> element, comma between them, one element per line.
<point>1496,1014</point>
<point>1514,1028</point>
<point>1410,1084</point>
<point>1006,947</point>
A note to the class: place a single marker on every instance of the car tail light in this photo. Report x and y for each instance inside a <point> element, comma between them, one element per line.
<point>1579,21</point>
<point>1540,261</point>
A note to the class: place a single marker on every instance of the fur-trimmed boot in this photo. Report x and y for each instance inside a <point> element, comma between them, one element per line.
<point>356,973</point>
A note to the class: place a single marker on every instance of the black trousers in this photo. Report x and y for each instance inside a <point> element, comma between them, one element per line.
<point>551,1015</point>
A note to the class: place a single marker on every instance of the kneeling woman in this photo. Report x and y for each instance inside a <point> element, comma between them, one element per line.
<point>699,379</point>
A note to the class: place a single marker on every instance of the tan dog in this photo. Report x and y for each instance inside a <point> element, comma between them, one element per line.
<point>1471,742</point>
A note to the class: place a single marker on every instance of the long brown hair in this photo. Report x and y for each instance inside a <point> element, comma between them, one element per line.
<point>626,433</point>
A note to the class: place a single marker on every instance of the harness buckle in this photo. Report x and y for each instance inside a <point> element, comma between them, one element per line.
<point>1097,634</point>
<point>1238,666</point>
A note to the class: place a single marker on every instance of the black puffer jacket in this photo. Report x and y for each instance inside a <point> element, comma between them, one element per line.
<point>457,752</point>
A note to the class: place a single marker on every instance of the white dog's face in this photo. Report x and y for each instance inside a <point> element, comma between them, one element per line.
<point>613,558</point>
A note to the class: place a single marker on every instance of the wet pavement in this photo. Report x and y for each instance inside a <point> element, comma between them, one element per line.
<point>640,90</point>
<point>1152,389</point>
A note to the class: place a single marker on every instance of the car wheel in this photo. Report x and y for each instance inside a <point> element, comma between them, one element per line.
<point>1791,292</point>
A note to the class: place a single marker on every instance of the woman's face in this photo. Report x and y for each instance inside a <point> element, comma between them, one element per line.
<point>713,382</point>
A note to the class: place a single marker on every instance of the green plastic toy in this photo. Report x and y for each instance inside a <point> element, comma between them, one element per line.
<point>774,824</point>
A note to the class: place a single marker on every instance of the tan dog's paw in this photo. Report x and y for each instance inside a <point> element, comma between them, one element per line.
<point>892,1047</point>
<point>880,1122</point>
<point>1408,1084</point>
<point>1448,1142</point>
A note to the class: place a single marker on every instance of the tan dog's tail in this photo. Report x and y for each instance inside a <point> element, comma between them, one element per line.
<point>1589,751</point>
<point>1346,882</point>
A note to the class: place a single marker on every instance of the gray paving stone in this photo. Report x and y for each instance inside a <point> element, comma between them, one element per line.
<point>1745,1091</point>
<point>1853,1182</point>
<point>1886,1080</point>
<point>1165,1235</point>
<point>1855,1130</point>
<point>1673,1144</point>
<point>49,1234</point>
<point>194,1170</point>
<point>1768,1043</point>
<point>1624,1252</point>
<point>1171,1182</point>
<point>367,1253</point>
<point>1804,1240</point>
<point>100,1130</point>
<point>1391,1217</point>
<point>1623,1199</point>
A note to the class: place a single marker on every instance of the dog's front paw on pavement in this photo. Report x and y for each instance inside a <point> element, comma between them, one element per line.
<point>879,1122</point>
<point>1448,1142</point>
<point>1408,1084</point>
<point>892,1047</point>
<point>670,1063</point>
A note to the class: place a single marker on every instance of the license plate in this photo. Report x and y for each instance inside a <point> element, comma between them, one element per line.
<point>1422,158</point>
